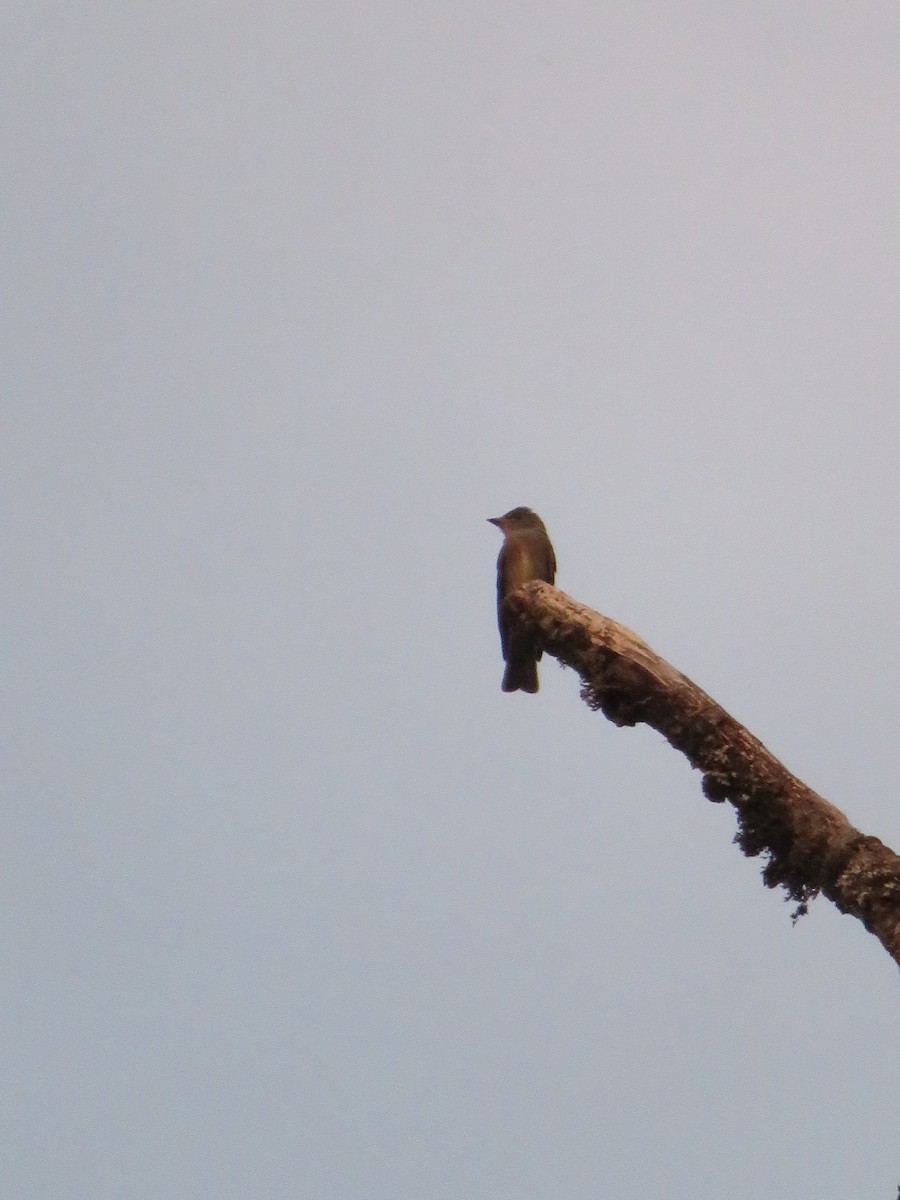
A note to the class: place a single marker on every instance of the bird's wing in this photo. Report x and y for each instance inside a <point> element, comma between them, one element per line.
<point>552,566</point>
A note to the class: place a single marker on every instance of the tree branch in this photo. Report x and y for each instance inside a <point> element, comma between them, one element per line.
<point>810,845</point>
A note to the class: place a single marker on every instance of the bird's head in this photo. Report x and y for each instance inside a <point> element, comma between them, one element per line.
<point>517,518</point>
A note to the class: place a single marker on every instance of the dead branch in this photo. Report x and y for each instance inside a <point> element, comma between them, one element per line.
<point>810,846</point>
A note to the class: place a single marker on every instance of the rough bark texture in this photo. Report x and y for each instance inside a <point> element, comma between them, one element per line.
<point>810,845</point>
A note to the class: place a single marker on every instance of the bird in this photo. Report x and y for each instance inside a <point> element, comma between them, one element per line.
<point>526,553</point>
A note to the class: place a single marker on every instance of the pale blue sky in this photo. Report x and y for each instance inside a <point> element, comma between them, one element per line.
<point>296,902</point>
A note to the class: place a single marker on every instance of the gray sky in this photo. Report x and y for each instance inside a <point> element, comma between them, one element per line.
<point>295,902</point>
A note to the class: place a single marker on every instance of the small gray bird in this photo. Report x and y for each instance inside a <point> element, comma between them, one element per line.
<point>526,554</point>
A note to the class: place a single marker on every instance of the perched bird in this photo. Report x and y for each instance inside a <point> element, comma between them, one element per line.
<point>526,554</point>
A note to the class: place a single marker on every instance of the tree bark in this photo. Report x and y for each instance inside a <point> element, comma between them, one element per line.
<point>809,844</point>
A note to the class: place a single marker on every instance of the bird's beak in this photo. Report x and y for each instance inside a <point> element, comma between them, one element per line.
<point>498,521</point>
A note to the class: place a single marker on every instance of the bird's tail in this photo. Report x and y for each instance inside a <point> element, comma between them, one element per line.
<point>521,674</point>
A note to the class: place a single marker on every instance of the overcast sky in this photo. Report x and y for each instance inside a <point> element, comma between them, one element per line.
<point>295,903</point>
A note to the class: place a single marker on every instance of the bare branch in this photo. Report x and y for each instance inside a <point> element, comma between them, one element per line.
<point>810,845</point>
